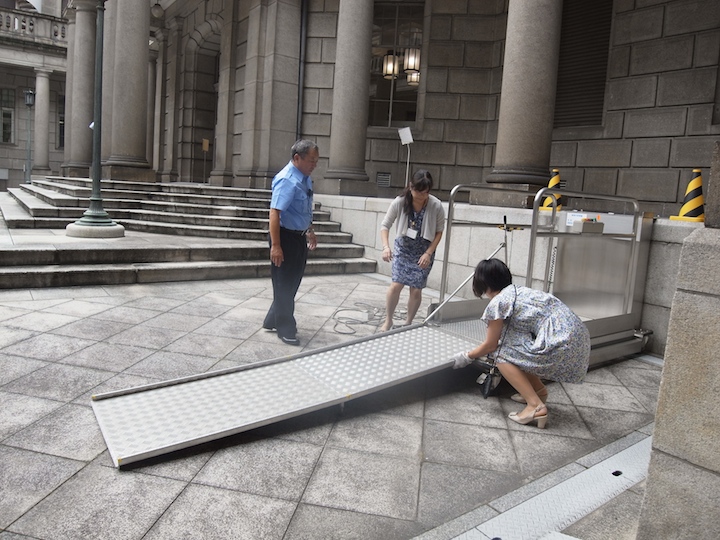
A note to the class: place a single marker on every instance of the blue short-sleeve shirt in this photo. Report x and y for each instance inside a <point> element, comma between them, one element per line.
<point>292,195</point>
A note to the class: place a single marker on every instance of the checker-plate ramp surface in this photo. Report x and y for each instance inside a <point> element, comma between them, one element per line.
<point>152,420</point>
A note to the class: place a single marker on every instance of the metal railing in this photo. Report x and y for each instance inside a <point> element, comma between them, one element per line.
<point>535,232</point>
<point>541,230</point>
<point>451,223</point>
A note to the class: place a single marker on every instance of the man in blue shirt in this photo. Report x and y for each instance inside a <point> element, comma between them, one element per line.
<point>291,235</point>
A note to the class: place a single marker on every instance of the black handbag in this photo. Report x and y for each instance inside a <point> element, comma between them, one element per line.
<point>490,378</point>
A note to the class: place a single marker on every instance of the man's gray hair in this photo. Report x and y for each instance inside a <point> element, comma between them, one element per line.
<point>302,147</point>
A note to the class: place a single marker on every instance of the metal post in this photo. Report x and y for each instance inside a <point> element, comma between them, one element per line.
<point>95,215</point>
<point>29,101</point>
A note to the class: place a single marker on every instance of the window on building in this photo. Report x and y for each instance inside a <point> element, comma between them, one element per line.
<point>61,122</point>
<point>7,109</point>
<point>583,61</point>
<point>395,71</point>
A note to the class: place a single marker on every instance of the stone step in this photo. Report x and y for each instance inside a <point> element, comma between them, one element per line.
<point>41,214</point>
<point>237,215</point>
<point>115,274</point>
<point>210,231</point>
<point>230,222</point>
<point>86,253</point>
<point>60,194</point>
<point>13,214</point>
<point>187,188</point>
<point>27,192</point>
<point>41,202</point>
<point>86,183</point>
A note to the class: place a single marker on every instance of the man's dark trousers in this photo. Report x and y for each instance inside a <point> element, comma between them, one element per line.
<point>286,280</point>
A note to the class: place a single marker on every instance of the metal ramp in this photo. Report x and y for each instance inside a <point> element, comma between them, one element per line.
<point>147,421</point>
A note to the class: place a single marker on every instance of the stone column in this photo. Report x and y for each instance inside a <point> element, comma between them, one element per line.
<point>159,119</point>
<point>527,99</point>
<point>108,78</point>
<point>70,15</point>
<point>129,106</point>
<point>683,483</point>
<point>41,163</point>
<point>270,89</point>
<point>350,96</point>
<point>83,89</point>
<point>173,52</point>
<point>250,142</point>
<point>150,115</point>
<point>222,174</point>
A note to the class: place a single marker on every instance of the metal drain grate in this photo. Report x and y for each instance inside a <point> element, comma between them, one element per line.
<point>562,505</point>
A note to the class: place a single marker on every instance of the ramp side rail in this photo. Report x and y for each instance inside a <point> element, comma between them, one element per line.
<point>436,309</point>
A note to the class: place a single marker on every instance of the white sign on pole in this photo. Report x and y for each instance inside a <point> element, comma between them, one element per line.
<point>405,135</point>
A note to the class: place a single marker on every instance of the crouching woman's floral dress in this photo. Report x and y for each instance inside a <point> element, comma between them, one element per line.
<point>541,335</point>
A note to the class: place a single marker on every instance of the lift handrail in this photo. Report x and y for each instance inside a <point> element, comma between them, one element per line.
<point>450,222</point>
<point>632,263</point>
<point>536,229</point>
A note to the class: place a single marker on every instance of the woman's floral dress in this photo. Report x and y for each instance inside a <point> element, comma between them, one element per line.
<point>407,253</point>
<point>541,335</point>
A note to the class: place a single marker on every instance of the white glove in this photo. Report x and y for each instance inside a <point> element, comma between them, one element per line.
<point>461,360</point>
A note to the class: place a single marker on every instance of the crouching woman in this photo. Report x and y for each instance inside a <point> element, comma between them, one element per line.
<point>533,336</point>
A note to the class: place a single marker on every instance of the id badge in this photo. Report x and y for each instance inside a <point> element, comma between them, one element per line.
<point>412,233</point>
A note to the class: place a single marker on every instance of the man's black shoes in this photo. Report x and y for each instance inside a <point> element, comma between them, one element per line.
<point>285,339</point>
<point>289,340</point>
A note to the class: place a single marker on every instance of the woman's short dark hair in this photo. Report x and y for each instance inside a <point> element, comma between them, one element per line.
<point>492,275</point>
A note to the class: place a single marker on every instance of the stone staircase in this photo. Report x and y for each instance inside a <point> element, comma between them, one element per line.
<point>225,231</point>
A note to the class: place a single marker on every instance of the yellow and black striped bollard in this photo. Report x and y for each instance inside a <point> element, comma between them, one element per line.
<point>693,208</point>
<point>554,183</point>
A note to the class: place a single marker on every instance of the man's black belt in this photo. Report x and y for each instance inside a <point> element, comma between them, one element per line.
<point>299,233</point>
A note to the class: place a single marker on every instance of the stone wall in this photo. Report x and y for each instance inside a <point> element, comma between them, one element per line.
<point>458,99</point>
<point>319,75</point>
<point>683,485</point>
<point>458,94</point>
<point>663,265</point>
<point>362,216</point>
<point>659,99</point>
<point>683,489</point>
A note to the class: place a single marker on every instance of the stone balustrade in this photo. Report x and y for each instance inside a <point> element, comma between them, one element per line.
<point>33,27</point>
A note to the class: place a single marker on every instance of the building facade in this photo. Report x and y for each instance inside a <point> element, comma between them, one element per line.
<point>622,96</point>
<point>33,45</point>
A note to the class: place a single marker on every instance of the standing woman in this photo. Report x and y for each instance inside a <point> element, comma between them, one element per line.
<point>540,338</point>
<point>420,221</point>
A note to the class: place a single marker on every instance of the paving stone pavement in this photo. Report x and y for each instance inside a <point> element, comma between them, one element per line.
<point>391,465</point>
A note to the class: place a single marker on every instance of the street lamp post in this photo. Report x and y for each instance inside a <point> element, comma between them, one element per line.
<point>96,223</point>
<point>29,102</point>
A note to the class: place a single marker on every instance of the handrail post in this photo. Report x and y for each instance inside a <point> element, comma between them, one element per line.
<point>446,253</point>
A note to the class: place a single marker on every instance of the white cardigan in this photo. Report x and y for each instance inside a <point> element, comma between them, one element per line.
<point>433,222</point>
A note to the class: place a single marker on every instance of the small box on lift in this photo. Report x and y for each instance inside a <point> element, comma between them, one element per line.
<point>588,226</point>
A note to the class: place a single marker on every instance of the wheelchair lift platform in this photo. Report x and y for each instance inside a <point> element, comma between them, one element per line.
<point>151,420</point>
